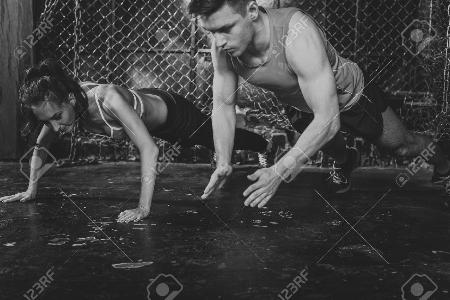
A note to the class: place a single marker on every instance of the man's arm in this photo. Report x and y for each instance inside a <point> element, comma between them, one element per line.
<point>307,56</point>
<point>223,116</point>
<point>225,83</point>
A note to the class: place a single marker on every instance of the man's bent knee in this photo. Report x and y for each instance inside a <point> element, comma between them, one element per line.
<point>413,145</point>
<point>403,151</point>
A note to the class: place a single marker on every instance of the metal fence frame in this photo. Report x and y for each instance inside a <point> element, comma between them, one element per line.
<point>362,13</point>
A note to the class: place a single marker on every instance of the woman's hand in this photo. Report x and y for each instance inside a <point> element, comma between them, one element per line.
<point>133,215</point>
<point>28,195</point>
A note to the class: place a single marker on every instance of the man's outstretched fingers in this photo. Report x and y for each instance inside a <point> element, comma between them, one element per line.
<point>253,187</point>
<point>264,201</point>
<point>211,186</point>
<point>253,196</point>
<point>257,197</point>
<point>222,182</point>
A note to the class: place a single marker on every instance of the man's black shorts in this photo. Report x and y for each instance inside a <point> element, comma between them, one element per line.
<point>363,119</point>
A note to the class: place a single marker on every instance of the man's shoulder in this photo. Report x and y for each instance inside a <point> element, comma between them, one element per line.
<point>301,21</point>
<point>285,14</point>
<point>283,10</point>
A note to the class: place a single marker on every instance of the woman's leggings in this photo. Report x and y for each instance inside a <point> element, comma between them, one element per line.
<point>187,125</point>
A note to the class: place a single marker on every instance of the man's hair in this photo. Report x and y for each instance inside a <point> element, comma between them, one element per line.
<point>208,7</point>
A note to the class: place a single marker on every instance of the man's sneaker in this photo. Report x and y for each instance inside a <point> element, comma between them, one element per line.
<point>277,147</point>
<point>262,158</point>
<point>440,179</point>
<point>213,160</point>
<point>339,181</point>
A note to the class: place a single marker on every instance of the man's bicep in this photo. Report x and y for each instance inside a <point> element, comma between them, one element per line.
<point>320,95</point>
<point>312,67</point>
<point>305,49</point>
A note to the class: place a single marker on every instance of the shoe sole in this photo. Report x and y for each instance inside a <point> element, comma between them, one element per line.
<point>354,167</point>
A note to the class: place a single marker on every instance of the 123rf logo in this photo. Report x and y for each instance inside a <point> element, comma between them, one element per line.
<point>164,287</point>
<point>419,287</point>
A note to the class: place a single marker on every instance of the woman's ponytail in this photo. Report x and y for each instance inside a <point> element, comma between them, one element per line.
<point>47,77</point>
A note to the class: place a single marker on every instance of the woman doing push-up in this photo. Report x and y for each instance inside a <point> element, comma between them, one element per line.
<point>61,103</point>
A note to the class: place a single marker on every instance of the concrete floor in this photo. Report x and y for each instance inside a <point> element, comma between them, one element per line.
<point>218,249</point>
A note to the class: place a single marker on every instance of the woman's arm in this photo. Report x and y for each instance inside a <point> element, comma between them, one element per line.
<point>44,140</point>
<point>115,103</point>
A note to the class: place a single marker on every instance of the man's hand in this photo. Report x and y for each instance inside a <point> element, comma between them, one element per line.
<point>133,215</point>
<point>218,179</point>
<point>266,185</point>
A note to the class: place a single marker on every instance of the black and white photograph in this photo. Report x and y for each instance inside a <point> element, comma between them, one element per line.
<point>225,149</point>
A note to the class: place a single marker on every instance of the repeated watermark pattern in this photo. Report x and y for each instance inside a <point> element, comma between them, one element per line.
<point>417,36</point>
<point>167,158</point>
<point>352,227</point>
<point>164,287</point>
<point>38,167</point>
<point>416,165</point>
<point>39,286</point>
<point>30,41</point>
<point>287,39</point>
<point>419,286</point>
<point>166,34</point>
<point>294,286</point>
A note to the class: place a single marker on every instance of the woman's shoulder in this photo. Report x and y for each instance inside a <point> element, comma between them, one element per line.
<point>112,95</point>
<point>100,90</point>
<point>90,85</point>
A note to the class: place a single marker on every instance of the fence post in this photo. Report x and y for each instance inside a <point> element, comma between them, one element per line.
<point>16,24</point>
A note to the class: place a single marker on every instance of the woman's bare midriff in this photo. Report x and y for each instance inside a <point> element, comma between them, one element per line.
<point>154,116</point>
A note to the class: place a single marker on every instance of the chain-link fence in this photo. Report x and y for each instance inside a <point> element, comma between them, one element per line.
<point>149,43</point>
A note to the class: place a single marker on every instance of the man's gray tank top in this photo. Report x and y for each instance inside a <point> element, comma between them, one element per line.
<point>277,76</point>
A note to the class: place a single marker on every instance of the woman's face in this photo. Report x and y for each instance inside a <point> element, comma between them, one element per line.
<point>59,117</point>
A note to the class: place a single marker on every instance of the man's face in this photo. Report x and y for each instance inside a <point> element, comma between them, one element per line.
<point>232,31</point>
